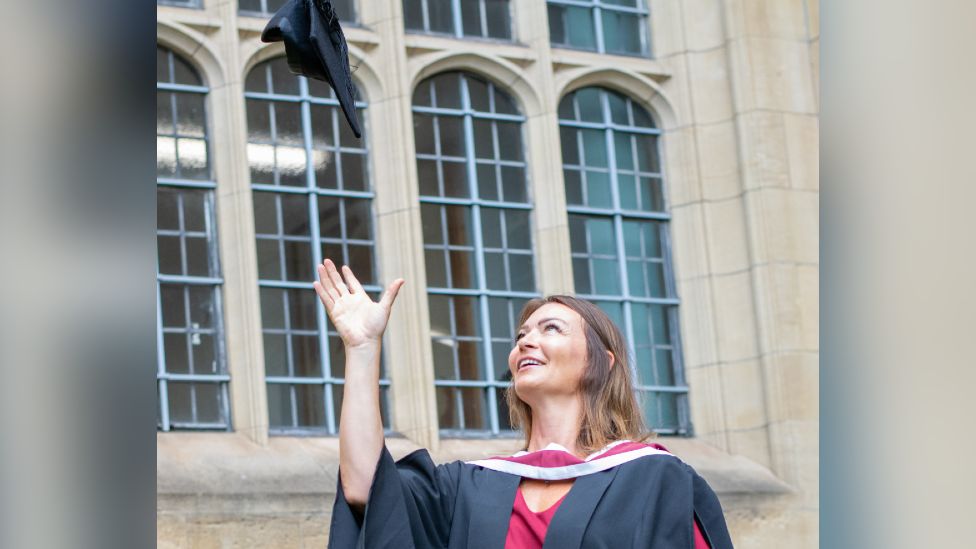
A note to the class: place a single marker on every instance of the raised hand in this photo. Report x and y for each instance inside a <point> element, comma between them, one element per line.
<point>359,320</point>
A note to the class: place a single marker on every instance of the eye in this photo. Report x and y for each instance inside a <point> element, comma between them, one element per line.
<point>552,326</point>
<point>519,336</point>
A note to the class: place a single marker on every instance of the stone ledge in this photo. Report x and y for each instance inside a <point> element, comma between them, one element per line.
<point>225,473</point>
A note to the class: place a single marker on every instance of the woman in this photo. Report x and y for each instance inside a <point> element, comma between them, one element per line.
<point>583,480</point>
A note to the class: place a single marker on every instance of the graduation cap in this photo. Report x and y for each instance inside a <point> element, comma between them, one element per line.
<point>316,48</point>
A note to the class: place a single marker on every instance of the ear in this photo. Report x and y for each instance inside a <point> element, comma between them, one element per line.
<point>613,360</point>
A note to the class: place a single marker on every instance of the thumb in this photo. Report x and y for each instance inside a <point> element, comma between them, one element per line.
<point>386,300</point>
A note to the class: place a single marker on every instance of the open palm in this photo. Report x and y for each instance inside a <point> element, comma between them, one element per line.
<point>358,319</point>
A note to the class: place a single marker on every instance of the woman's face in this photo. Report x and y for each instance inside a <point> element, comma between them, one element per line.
<point>549,356</point>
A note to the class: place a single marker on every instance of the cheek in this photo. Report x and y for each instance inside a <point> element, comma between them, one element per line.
<point>511,359</point>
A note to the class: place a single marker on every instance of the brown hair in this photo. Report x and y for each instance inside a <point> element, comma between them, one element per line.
<point>610,411</point>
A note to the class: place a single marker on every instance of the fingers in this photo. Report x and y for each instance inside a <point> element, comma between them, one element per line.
<point>335,279</point>
<point>323,286</point>
<point>386,300</point>
<point>351,280</point>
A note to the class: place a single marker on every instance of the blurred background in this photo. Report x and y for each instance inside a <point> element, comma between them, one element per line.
<point>658,157</point>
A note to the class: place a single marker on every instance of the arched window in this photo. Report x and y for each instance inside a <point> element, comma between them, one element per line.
<point>191,359</point>
<point>345,9</point>
<point>619,233</point>
<point>605,26</point>
<point>459,18</point>
<point>475,210</point>
<point>312,200</point>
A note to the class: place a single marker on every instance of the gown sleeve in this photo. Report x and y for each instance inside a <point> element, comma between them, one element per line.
<point>410,504</point>
<point>709,519</point>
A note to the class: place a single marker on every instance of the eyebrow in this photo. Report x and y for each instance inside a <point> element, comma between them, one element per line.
<point>543,321</point>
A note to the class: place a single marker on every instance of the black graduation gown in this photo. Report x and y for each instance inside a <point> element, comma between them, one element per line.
<point>645,503</point>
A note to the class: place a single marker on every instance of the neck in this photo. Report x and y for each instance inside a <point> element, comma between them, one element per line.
<point>555,421</point>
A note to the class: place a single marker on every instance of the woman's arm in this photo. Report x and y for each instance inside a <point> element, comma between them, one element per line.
<point>360,322</point>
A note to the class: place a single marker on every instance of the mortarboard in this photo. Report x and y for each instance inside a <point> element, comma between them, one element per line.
<point>316,48</point>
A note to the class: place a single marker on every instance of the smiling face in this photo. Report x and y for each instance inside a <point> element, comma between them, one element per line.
<point>550,353</point>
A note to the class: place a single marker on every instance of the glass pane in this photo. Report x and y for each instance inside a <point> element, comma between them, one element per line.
<point>202,302</point>
<point>557,24</point>
<point>165,157</point>
<point>436,268</point>
<point>447,408</point>
<point>451,134</point>
<point>509,141</point>
<point>164,113</point>
<point>337,358</point>
<point>514,187</point>
<point>495,271</point>
<point>627,189</point>
<point>588,102</point>
<point>462,270</point>
<point>167,209</point>
<point>361,263</point>
<point>174,346</point>
<point>497,15</point>
<point>305,356</point>
<point>168,255</point>
<point>190,116</point>
<point>301,309</point>
<point>521,273</point>
<point>594,148</point>
<point>635,279</point>
<point>172,307</point>
<point>443,352</point>
<point>413,14</point>
<point>487,182</point>
<point>195,210</point>
<point>447,89</point>
<point>478,93</point>
<point>601,237</point>
<point>455,178</point>
<point>491,228</point>
<point>273,308</point>
<point>294,214</point>
<point>471,18</point>
<point>475,408</point>
<point>298,262</point>
<point>358,217</point>
<point>180,402</point>
<point>577,234</point>
<point>282,80</point>
<point>574,187</point>
<point>197,257</point>
<point>184,73</point>
<point>279,405</point>
<point>647,158</point>
<point>310,401</point>
<point>569,146</point>
<point>566,110</point>
<point>622,150</point>
<point>621,32</point>
<point>606,277</point>
<point>427,176</point>
<point>618,108</point>
<point>458,225</point>
<point>579,22</point>
<point>440,17</point>
<point>581,276</point>
<point>322,128</point>
<point>275,355</point>
<point>269,267</point>
<point>330,220</point>
<point>162,64</point>
<point>598,190</point>
<point>354,175</point>
<point>483,140</point>
<point>517,229</point>
<point>265,213</point>
<point>423,129</point>
<point>192,159</point>
<point>470,360</point>
<point>430,216</point>
<point>204,354</point>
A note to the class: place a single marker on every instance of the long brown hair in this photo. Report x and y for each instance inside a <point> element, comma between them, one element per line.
<point>610,411</point>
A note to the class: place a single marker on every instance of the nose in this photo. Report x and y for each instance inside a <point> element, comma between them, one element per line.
<point>527,341</point>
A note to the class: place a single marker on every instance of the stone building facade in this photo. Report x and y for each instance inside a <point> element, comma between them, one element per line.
<point>731,91</point>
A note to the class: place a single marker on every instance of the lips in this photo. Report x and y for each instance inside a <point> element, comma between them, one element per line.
<point>528,362</point>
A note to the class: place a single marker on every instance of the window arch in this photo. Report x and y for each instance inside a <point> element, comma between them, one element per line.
<point>459,18</point>
<point>619,235</point>
<point>191,358</point>
<point>312,200</point>
<point>475,210</point>
<point>605,26</point>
